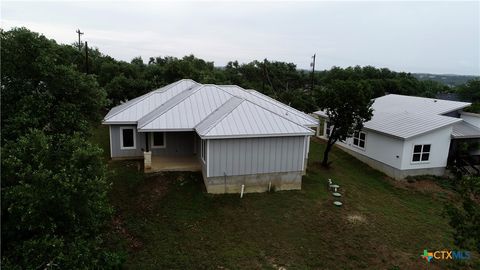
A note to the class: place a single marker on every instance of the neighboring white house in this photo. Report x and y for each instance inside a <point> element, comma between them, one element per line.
<point>234,136</point>
<point>409,135</point>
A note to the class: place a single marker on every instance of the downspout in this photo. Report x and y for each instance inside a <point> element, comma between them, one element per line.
<point>224,182</point>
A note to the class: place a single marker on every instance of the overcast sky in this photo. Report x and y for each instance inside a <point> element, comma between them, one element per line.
<point>430,37</point>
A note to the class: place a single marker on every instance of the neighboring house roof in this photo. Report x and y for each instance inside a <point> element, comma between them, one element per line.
<point>420,105</point>
<point>464,130</point>
<point>184,105</point>
<point>406,125</point>
<point>407,116</point>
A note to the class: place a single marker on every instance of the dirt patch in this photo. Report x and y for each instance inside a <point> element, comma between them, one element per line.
<point>425,186</point>
<point>356,219</point>
<point>151,191</point>
<point>134,243</point>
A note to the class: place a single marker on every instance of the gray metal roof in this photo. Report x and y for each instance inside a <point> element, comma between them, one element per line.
<point>133,110</point>
<point>222,111</point>
<point>406,125</point>
<point>420,105</point>
<point>272,105</point>
<point>187,105</point>
<point>188,112</point>
<point>464,130</point>
<point>165,107</point>
<point>242,118</point>
<point>407,116</point>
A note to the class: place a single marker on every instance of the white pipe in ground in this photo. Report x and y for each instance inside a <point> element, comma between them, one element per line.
<point>241,193</point>
<point>269,186</point>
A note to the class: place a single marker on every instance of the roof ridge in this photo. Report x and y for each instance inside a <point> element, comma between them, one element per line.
<point>155,113</point>
<point>214,123</point>
<point>219,87</point>
<point>300,114</point>
<point>278,115</point>
<point>467,123</point>
<point>265,97</point>
<point>167,87</point>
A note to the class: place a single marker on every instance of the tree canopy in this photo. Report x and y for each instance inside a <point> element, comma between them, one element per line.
<point>347,104</point>
<point>54,189</point>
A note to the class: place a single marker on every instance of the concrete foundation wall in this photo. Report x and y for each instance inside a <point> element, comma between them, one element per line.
<point>391,171</point>
<point>253,182</point>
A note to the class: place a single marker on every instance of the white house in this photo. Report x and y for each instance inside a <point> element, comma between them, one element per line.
<point>235,137</point>
<point>409,135</point>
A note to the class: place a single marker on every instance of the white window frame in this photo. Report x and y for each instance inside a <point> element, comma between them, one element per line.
<point>158,146</point>
<point>359,139</point>
<point>421,154</point>
<point>134,138</point>
<point>203,150</point>
<point>328,129</point>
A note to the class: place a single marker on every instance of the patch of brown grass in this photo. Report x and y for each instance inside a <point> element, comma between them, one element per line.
<point>133,242</point>
<point>425,186</point>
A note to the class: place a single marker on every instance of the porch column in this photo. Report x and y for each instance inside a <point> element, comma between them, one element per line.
<point>147,155</point>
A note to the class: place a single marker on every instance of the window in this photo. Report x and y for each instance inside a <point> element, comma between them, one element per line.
<point>421,153</point>
<point>203,149</point>
<point>127,138</point>
<point>359,139</point>
<point>328,130</point>
<point>158,140</point>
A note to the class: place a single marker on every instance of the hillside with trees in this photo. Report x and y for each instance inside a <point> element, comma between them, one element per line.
<point>450,80</point>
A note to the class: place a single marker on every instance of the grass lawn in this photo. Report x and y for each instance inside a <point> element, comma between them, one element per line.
<point>168,221</point>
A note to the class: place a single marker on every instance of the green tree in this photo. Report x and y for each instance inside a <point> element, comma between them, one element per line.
<point>54,204</point>
<point>465,217</point>
<point>470,91</point>
<point>347,105</point>
<point>39,90</point>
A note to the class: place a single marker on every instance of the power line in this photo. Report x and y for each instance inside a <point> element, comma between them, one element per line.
<point>313,72</point>
<point>86,57</point>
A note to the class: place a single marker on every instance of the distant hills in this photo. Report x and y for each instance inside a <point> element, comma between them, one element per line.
<point>448,79</point>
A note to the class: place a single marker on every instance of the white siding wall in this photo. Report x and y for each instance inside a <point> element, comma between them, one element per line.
<point>386,149</point>
<point>440,145</point>
<point>379,147</point>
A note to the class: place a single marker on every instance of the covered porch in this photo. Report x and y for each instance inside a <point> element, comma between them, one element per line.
<point>174,163</point>
<point>464,153</point>
<point>171,151</point>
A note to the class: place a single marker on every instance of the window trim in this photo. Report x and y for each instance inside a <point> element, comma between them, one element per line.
<point>421,154</point>
<point>328,129</point>
<point>158,146</point>
<point>134,138</point>
<point>359,139</point>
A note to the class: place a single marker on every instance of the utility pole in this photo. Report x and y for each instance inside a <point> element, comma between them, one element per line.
<point>79,41</point>
<point>86,57</point>
<point>313,72</point>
